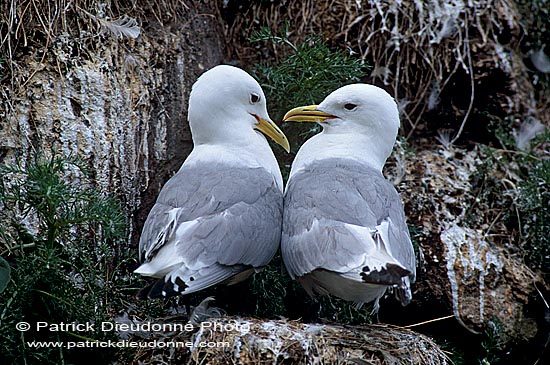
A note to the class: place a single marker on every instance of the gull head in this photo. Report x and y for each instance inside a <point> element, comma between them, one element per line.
<point>356,108</point>
<point>359,121</point>
<point>227,105</point>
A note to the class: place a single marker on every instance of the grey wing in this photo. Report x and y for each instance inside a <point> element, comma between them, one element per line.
<point>346,218</point>
<point>389,207</point>
<point>210,223</point>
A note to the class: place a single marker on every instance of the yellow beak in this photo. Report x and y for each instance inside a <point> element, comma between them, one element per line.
<point>270,129</point>
<point>307,114</point>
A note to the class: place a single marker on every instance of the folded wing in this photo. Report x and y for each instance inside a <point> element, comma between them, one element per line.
<point>343,220</point>
<point>209,225</point>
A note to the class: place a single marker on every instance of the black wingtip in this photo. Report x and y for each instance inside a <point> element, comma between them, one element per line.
<point>161,288</point>
<point>391,275</point>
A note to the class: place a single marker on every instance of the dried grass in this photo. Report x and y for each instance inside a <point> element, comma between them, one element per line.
<point>292,342</point>
<point>416,47</point>
<point>34,25</point>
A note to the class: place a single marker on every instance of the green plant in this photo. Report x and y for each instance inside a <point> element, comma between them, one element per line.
<point>306,76</point>
<point>5,274</point>
<point>455,353</point>
<point>493,343</point>
<point>529,218</point>
<point>341,311</point>
<point>63,242</point>
<point>534,203</point>
<point>269,289</point>
<point>536,19</point>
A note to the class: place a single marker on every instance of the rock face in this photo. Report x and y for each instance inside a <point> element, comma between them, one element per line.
<point>118,103</point>
<point>469,259</point>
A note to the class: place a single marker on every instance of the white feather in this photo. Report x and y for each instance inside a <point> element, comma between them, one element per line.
<point>376,252</point>
<point>165,260</point>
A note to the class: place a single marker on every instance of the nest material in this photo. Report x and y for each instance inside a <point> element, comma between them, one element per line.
<point>253,341</point>
<point>39,26</point>
<point>416,47</point>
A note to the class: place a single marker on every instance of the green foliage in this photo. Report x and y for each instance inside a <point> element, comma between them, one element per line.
<point>276,295</point>
<point>455,353</point>
<point>5,274</point>
<point>308,75</point>
<point>493,343</point>
<point>536,19</point>
<point>311,72</point>
<point>62,241</point>
<point>501,130</point>
<point>341,311</point>
<point>416,232</point>
<point>532,196</point>
<point>269,289</point>
<point>534,203</point>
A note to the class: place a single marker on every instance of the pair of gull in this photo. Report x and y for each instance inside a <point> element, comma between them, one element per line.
<point>222,216</point>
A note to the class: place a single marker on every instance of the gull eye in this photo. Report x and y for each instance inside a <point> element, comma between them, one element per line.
<point>254,98</point>
<point>350,106</point>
